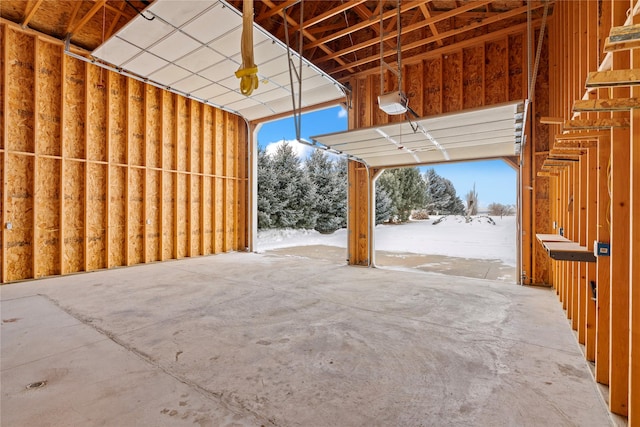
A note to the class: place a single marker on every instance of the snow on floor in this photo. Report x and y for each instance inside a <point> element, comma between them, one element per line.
<point>451,236</point>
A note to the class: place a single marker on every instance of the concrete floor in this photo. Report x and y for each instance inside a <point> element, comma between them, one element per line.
<point>262,339</point>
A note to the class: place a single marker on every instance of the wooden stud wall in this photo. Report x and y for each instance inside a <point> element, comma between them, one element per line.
<point>100,170</point>
<point>485,73</point>
<point>604,187</point>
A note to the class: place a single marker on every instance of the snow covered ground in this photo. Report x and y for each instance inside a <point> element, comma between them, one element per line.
<point>451,236</point>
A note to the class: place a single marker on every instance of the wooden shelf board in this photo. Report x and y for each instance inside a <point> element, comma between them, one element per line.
<point>611,78</point>
<point>598,105</point>
<point>596,124</point>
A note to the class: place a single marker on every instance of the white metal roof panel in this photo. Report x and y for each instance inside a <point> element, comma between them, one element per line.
<point>193,48</point>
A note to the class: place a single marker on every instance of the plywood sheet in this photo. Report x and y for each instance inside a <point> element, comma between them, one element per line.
<point>153,220</point>
<point>154,126</point>
<point>20,93</point>
<point>452,84</point>
<point>182,142</point>
<point>473,78</point>
<point>48,105</point>
<point>181,213</point>
<point>19,212</point>
<point>168,215</point>
<point>432,88</point>
<point>73,145</point>
<point>117,216</point>
<point>96,215</point>
<point>208,136</point>
<point>117,118</point>
<point>73,232</point>
<point>135,215</point>
<point>517,88</point>
<point>229,215</point>
<point>2,229</point>
<point>218,217</point>
<point>47,197</point>
<point>413,84</point>
<point>136,122</point>
<point>195,138</point>
<point>3,28</point>
<point>207,219</point>
<point>96,114</point>
<point>168,131</point>
<point>495,72</point>
<point>219,143</point>
<point>195,230</point>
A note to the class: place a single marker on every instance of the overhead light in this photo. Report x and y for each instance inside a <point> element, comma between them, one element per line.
<point>393,103</point>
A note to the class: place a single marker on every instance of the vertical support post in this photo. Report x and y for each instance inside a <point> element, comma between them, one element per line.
<point>36,159</point>
<point>603,265</point>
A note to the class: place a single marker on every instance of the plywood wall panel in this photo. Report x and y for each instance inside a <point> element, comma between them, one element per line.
<point>19,212</point>
<point>20,93</point>
<point>473,77</point>
<point>182,137</point>
<point>96,206</point>
<point>207,212</point>
<point>432,92</point>
<point>2,196</point>
<point>117,216</point>
<point>73,180</point>
<point>3,29</point>
<point>182,217</point>
<point>218,216</point>
<point>49,92</point>
<point>93,175</point>
<point>136,216</point>
<point>196,137</point>
<point>117,118</point>
<point>413,85</point>
<point>517,72</point>
<point>168,131</point>
<point>452,82</point>
<point>209,141</point>
<point>153,220</point>
<point>168,215</point>
<point>154,126</point>
<point>136,115</point>
<point>194,222</point>
<point>495,72</point>
<point>73,145</point>
<point>47,196</point>
<point>96,114</point>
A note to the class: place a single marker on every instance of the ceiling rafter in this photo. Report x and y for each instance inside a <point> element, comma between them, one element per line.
<point>86,18</point>
<point>310,36</point>
<point>352,29</point>
<point>329,14</point>
<point>32,12</point>
<point>406,30</point>
<point>450,33</point>
<point>427,15</point>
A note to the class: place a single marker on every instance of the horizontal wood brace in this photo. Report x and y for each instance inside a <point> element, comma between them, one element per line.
<point>584,124</point>
<point>611,78</point>
<point>615,104</point>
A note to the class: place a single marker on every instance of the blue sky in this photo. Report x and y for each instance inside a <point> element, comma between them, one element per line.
<point>495,180</point>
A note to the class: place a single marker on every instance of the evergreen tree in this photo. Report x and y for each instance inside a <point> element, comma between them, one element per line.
<point>294,191</point>
<point>441,195</point>
<point>383,205</point>
<point>406,189</point>
<point>330,191</point>
<point>267,197</point>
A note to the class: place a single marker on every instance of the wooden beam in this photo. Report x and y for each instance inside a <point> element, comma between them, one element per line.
<point>596,124</point>
<point>547,173</point>
<point>86,18</point>
<point>606,105</point>
<point>623,38</point>
<point>552,120</point>
<point>612,78</point>
<point>32,12</point>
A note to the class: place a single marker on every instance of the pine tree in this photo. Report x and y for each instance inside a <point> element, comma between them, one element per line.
<point>294,191</point>
<point>406,189</point>
<point>441,195</point>
<point>330,191</point>
<point>383,205</point>
<point>267,197</point>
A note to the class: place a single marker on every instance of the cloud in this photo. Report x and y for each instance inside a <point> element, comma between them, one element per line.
<point>342,113</point>
<point>302,151</point>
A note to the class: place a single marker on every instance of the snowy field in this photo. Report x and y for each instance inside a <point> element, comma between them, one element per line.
<point>451,236</point>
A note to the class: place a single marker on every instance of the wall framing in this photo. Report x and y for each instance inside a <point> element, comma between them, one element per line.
<point>100,170</point>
